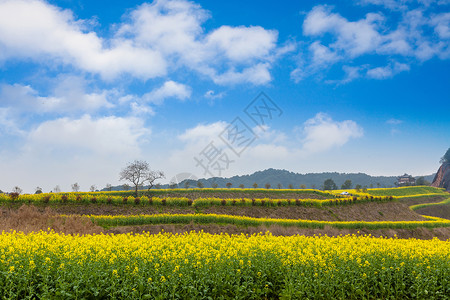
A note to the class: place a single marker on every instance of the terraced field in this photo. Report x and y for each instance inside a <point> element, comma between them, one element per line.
<point>249,244</point>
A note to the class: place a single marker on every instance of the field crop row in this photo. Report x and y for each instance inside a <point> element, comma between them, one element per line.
<point>406,191</point>
<point>78,198</point>
<point>111,221</point>
<point>203,266</point>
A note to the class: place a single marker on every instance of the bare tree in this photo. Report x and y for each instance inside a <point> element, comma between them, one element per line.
<point>108,187</point>
<point>57,189</point>
<point>152,176</point>
<point>93,188</point>
<point>138,172</point>
<point>75,187</point>
<point>38,190</point>
<point>17,190</point>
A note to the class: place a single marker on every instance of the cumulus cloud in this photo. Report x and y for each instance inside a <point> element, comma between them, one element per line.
<point>35,29</point>
<point>69,95</point>
<point>337,39</point>
<point>203,132</point>
<point>106,135</point>
<point>153,39</point>
<point>170,89</point>
<point>322,133</point>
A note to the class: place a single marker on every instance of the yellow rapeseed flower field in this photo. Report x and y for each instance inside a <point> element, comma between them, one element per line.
<point>199,265</point>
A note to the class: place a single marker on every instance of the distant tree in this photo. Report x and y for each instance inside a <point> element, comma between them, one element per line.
<point>214,185</point>
<point>347,185</point>
<point>17,190</point>
<point>229,184</point>
<point>139,172</point>
<point>421,181</point>
<point>152,176</point>
<point>241,186</point>
<point>38,190</point>
<point>267,185</point>
<point>57,189</point>
<point>186,184</point>
<point>126,187</point>
<point>446,157</point>
<point>329,184</point>
<point>378,185</point>
<point>75,187</point>
<point>200,184</point>
<point>358,187</point>
<point>364,190</point>
<point>302,186</point>
<point>157,186</point>
<point>1,192</point>
<point>92,188</point>
<point>290,186</point>
<point>255,185</point>
<point>313,186</point>
<point>108,187</point>
<point>279,186</point>
<point>371,185</point>
<point>173,185</point>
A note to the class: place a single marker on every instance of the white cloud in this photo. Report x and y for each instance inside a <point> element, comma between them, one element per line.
<point>35,29</point>
<point>105,136</point>
<point>321,133</point>
<point>210,94</point>
<point>353,38</point>
<point>322,55</point>
<point>441,23</point>
<point>175,29</point>
<point>257,74</point>
<point>387,71</point>
<point>170,89</point>
<point>203,133</point>
<point>68,95</point>
<point>337,39</point>
<point>154,38</point>
<point>241,43</point>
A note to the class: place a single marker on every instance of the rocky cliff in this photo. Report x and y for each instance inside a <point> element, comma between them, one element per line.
<point>442,178</point>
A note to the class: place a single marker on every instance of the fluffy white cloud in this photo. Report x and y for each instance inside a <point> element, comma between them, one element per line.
<point>441,23</point>
<point>170,89</point>
<point>105,136</point>
<point>35,29</point>
<point>322,133</point>
<point>175,29</point>
<point>155,38</point>
<point>337,39</point>
<point>203,133</point>
<point>354,38</point>
<point>68,95</point>
<point>241,44</point>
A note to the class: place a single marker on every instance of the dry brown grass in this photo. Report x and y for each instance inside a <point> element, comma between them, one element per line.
<point>29,218</point>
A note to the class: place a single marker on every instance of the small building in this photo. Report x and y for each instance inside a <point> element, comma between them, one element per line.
<point>405,180</point>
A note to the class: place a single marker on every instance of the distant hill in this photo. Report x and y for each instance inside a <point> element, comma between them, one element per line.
<point>285,178</point>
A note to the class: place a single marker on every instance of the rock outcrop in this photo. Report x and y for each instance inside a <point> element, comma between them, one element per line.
<point>442,178</point>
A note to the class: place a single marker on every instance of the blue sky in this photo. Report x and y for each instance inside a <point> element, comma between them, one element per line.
<point>220,88</point>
